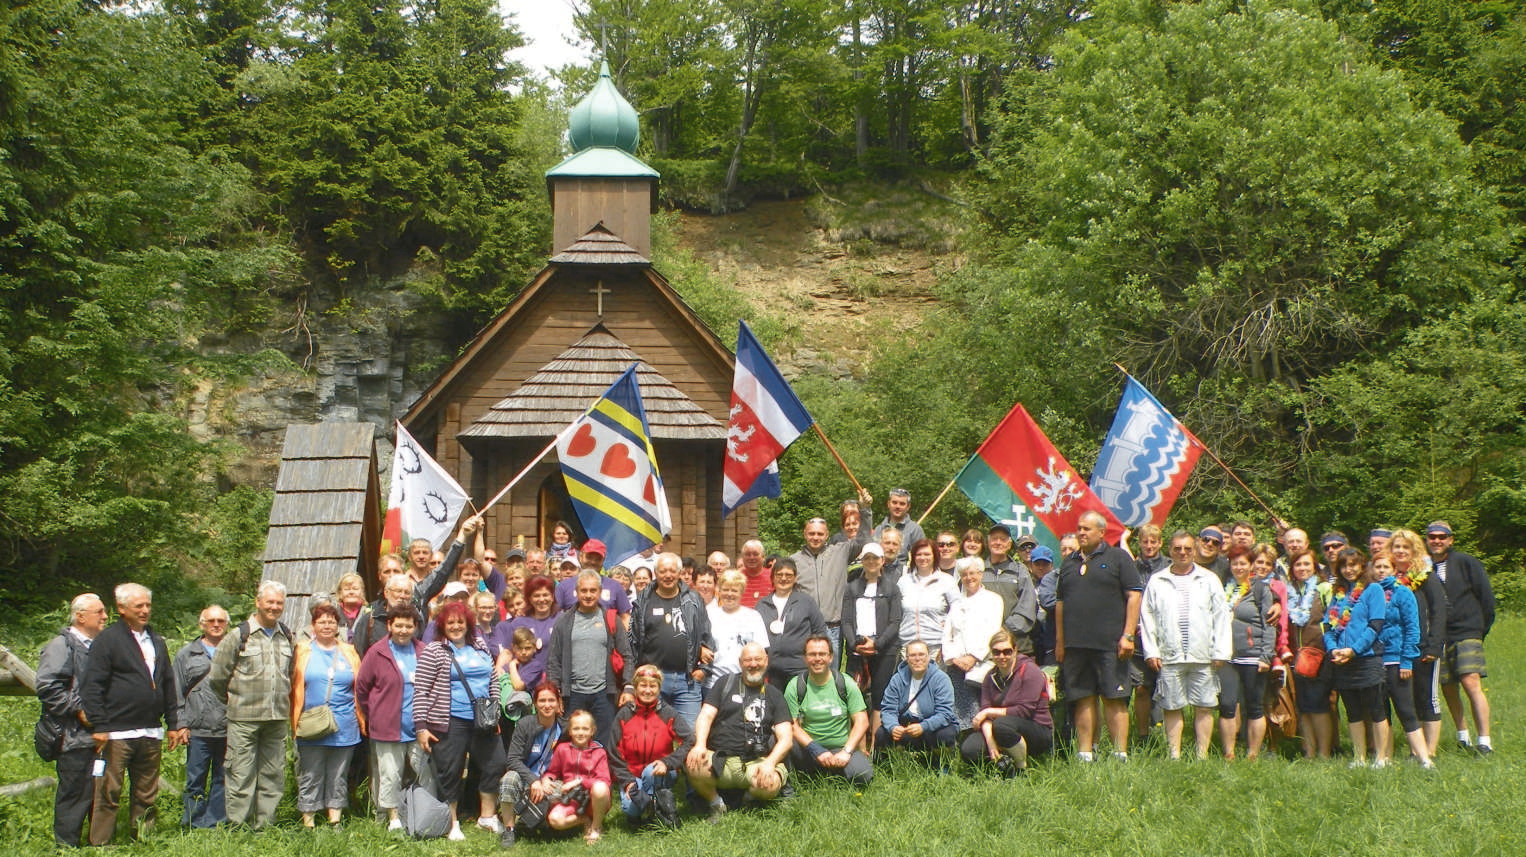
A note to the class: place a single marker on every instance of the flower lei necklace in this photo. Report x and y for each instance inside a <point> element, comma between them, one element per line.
<point>1236,594</point>
<point>1339,615</point>
<point>1414,577</point>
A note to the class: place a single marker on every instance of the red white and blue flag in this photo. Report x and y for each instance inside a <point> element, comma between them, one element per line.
<point>1145,460</point>
<point>766,417</point>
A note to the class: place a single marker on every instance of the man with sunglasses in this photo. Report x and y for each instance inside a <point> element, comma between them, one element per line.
<point>1210,543</point>
<point>1470,615</point>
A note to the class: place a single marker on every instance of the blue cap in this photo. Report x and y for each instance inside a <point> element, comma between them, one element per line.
<point>1042,553</point>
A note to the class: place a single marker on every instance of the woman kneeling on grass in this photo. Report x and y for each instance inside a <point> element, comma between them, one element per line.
<point>1013,721</point>
<point>1353,629</point>
<point>577,780</point>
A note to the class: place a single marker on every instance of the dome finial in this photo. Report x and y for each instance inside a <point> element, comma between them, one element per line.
<point>604,118</point>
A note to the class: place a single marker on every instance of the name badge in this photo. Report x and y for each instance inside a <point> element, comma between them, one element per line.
<point>605,593</point>
<point>737,698</point>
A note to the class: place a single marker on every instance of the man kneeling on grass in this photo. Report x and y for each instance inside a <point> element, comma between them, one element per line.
<point>742,736</point>
<point>830,718</point>
<point>1187,631</point>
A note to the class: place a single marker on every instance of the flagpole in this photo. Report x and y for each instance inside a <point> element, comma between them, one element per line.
<point>1277,519</point>
<point>937,500</point>
<point>840,463</point>
<point>534,461</point>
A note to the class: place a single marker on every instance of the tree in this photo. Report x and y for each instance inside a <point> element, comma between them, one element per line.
<point>117,245</point>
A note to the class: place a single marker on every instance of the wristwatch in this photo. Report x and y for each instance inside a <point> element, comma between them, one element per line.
<point>1129,637</point>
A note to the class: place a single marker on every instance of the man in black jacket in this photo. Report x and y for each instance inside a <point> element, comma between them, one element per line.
<point>60,674</point>
<point>131,703</point>
<point>1470,615</point>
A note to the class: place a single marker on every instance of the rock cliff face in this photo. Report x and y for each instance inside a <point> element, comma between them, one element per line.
<point>353,364</point>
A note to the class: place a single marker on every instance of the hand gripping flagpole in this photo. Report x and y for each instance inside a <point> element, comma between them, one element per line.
<point>1276,518</point>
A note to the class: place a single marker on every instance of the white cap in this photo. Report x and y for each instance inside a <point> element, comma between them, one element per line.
<point>454,588</point>
<point>872,549</point>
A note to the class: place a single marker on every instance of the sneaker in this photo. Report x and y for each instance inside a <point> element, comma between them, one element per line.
<point>1380,764</point>
<point>1357,764</point>
<point>717,810</point>
<point>1465,746</point>
<point>394,825</point>
<point>1484,749</point>
<point>1427,765</point>
<point>506,838</point>
<point>491,824</point>
<point>667,807</point>
<point>455,834</point>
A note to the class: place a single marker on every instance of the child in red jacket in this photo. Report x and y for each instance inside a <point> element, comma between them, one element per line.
<point>579,770</point>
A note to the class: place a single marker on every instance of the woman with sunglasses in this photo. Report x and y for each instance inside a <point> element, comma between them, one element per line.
<point>1013,722</point>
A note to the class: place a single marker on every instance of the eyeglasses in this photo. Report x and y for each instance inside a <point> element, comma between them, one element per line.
<point>1333,546</point>
<point>1211,541</point>
<point>1003,653</point>
<point>1437,537</point>
<point>490,558</point>
<point>948,544</point>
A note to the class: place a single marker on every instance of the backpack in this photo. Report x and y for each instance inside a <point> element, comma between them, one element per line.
<point>842,688</point>
<point>616,660</point>
<point>48,737</point>
<point>423,815</point>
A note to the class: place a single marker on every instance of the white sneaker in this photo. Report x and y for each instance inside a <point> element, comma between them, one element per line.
<point>395,824</point>
<point>455,834</point>
<point>491,824</point>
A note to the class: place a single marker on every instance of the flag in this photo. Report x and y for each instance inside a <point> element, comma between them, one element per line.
<point>1018,478</point>
<point>766,417</point>
<point>1145,460</point>
<point>423,502</point>
<point>611,472</point>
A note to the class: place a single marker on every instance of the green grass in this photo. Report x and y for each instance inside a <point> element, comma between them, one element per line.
<point>1150,806</point>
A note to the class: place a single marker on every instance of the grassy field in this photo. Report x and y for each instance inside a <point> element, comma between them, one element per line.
<point>1149,806</point>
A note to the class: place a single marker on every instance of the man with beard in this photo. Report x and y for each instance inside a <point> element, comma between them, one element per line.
<point>742,736</point>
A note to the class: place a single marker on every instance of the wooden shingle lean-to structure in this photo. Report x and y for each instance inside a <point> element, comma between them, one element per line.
<point>326,517</point>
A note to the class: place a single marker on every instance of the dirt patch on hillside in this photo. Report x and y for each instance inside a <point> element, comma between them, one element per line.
<point>844,298</point>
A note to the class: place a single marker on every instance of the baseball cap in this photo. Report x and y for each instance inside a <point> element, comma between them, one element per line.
<point>595,546</point>
<point>1041,554</point>
<point>872,549</point>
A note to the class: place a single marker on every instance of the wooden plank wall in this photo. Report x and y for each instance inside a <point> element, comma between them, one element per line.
<point>624,205</point>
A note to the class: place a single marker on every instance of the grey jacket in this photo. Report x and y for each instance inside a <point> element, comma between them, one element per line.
<point>60,668</point>
<point>201,710</point>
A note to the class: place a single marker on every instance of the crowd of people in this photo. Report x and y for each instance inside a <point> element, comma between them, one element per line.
<point>539,692</point>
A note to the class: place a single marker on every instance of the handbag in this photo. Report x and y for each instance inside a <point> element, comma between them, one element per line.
<point>49,737</point>
<point>484,712</point>
<point>1310,659</point>
<point>318,722</point>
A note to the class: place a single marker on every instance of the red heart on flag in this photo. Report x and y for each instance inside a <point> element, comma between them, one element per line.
<point>617,463</point>
<point>649,494</point>
<point>582,441</point>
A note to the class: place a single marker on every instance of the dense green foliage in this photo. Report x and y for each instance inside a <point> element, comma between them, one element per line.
<point>1151,806</point>
<point>1268,229</point>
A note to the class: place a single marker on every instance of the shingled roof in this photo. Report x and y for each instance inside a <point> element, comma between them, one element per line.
<point>324,521</point>
<point>599,246</point>
<point>562,390</point>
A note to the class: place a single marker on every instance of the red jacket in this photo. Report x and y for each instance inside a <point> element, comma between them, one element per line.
<point>644,734</point>
<point>568,763</point>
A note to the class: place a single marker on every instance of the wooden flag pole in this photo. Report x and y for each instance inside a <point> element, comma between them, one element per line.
<point>1276,518</point>
<point>840,463</point>
<point>937,500</point>
<point>534,461</point>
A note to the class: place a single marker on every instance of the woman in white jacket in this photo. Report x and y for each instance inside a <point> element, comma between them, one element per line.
<point>1186,627</point>
<point>967,636</point>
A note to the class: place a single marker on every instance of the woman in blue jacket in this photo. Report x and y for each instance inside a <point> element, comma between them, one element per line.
<point>917,707</point>
<point>1401,648</point>
<point>1353,637</point>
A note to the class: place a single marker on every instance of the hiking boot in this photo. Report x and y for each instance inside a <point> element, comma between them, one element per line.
<point>717,810</point>
<point>506,838</point>
<point>666,808</point>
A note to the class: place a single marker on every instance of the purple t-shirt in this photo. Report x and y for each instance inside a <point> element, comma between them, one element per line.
<point>532,672</point>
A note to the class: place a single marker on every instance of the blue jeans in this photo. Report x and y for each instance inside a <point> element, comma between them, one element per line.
<point>204,783</point>
<point>686,695</point>
<point>601,707</point>
<point>648,784</point>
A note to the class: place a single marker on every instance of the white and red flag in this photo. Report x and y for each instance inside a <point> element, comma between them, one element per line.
<point>766,417</point>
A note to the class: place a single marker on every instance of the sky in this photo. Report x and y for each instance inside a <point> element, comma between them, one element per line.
<point>545,25</point>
